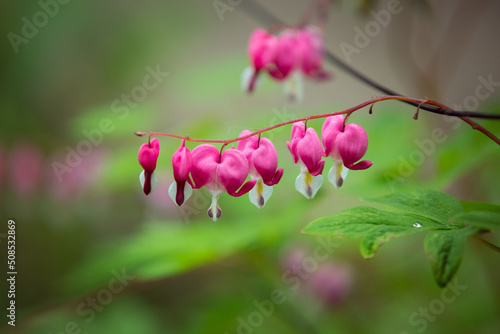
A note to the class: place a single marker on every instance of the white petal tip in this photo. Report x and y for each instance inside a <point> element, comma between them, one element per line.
<point>154,181</point>
<point>260,194</point>
<point>337,174</point>
<point>214,211</point>
<point>172,192</point>
<point>308,185</point>
<point>294,87</point>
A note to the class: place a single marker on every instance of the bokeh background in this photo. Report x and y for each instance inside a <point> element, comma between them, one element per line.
<point>80,228</point>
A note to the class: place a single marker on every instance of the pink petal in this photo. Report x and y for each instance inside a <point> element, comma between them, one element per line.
<point>311,49</point>
<point>261,48</point>
<point>352,145</point>
<point>276,178</point>
<point>249,145</point>
<point>298,132</point>
<point>182,162</point>
<point>310,152</point>
<point>204,165</point>
<point>361,165</point>
<point>244,189</point>
<point>286,56</point>
<point>155,144</point>
<point>148,155</point>
<point>233,170</point>
<point>331,129</point>
<point>265,160</point>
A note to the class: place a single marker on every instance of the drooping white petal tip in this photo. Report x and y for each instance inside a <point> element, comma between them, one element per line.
<point>308,185</point>
<point>246,78</point>
<point>214,211</point>
<point>172,192</point>
<point>260,194</point>
<point>154,180</point>
<point>337,174</point>
<point>294,87</point>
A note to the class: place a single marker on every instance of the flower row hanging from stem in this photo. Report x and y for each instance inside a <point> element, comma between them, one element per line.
<point>221,171</point>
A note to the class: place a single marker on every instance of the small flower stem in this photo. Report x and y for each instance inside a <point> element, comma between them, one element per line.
<point>418,102</point>
<point>487,243</point>
<point>220,152</point>
<point>473,124</point>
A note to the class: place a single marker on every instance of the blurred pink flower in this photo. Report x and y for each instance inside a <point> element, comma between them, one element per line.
<point>331,283</point>
<point>293,261</point>
<point>80,177</point>
<point>25,162</point>
<point>286,58</point>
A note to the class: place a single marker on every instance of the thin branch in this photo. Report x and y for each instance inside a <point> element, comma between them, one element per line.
<point>487,243</point>
<point>417,102</point>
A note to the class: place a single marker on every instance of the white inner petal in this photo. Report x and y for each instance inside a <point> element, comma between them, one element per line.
<point>308,185</point>
<point>246,77</point>
<point>294,87</point>
<point>154,180</point>
<point>172,191</point>
<point>260,194</point>
<point>142,178</point>
<point>188,191</point>
<point>337,174</point>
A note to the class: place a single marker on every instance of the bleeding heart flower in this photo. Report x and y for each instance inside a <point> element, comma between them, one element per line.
<point>261,53</point>
<point>311,46</point>
<point>263,162</point>
<point>148,155</point>
<point>306,149</point>
<point>332,282</point>
<point>26,162</point>
<point>220,173</point>
<point>345,145</point>
<point>286,57</point>
<point>181,189</point>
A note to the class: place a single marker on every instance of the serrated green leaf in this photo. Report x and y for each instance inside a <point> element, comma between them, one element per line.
<point>374,225</point>
<point>479,206</point>
<point>481,219</point>
<point>445,249</point>
<point>431,204</point>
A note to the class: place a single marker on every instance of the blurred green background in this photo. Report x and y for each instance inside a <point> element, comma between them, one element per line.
<point>94,255</point>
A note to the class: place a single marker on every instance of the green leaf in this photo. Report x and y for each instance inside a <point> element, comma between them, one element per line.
<point>374,225</point>
<point>481,219</point>
<point>431,204</point>
<point>445,249</point>
<point>162,249</point>
<point>479,206</point>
